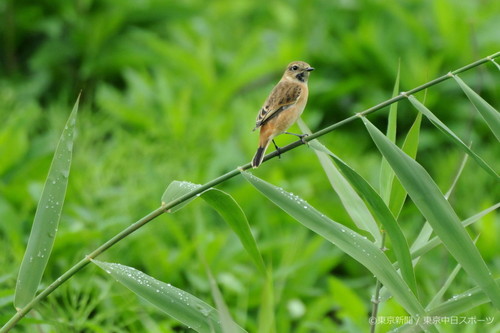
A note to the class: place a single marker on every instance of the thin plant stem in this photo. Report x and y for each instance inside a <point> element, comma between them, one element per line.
<point>166,207</point>
<point>376,296</point>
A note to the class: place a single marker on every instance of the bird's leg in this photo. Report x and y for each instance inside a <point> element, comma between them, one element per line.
<point>277,149</point>
<point>301,136</point>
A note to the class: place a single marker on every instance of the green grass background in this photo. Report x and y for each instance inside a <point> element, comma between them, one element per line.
<point>170,91</point>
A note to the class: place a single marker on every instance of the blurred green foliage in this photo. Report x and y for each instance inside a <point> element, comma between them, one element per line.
<point>171,90</point>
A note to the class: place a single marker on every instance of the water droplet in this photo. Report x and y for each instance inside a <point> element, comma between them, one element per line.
<point>204,310</point>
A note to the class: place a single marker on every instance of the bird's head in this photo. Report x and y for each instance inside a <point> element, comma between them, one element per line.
<point>298,70</point>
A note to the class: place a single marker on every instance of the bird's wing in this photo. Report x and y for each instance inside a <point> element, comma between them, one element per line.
<point>283,96</point>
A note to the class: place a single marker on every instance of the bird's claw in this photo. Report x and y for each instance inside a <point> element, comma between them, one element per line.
<point>302,138</point>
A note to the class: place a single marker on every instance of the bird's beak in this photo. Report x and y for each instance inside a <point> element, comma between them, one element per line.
<point>309,69</point>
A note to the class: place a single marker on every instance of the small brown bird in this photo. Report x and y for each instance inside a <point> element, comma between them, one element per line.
<point>282,108</point>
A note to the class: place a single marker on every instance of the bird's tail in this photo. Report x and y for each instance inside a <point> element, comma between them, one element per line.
<point>259,155</point>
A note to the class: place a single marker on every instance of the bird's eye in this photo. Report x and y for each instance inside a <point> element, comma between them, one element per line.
<point>295,67</point>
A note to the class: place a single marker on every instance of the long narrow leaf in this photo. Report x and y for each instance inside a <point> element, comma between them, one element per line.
<point>443,219</point>
<point>435,241</point>
<point>350,242</point>
<point>386,173</point>
<point>418,250</point>
<point>382,213</point>
<point>177,189</point>
<point>226,206</point>
<point>455,306</point>
<point>490,115</point>
<point>47,216</point>
<point>410,147</point>
<point>351,201</point>
<point>454,183</point>
<point>454,138</point>
<point>426,230</point>
<point>232,213</point>
<point>186,308</point>
<point>462,302</point>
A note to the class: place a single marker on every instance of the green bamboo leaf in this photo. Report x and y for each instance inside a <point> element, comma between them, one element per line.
<point>457,176</point>
<point>382,213</point>
<point>410,147</point>
<point>454,138</point>
<point>232,213</point>
<point>186,308</point>
<point>351,201</point>
<point>462,302</point>
<point>490,115</point>
<point>455,306</point>
<point>434,207</point>
<point>176,190</point>
<point>424,246</point>
<point>225,205</point>
<point>435,241</point>
<point>47,216</point>
<point>347,240</point>
<point>426,230</point>
<point>386,173</point>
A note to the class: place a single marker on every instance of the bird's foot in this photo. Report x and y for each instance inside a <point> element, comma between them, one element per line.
<point>301,136</point>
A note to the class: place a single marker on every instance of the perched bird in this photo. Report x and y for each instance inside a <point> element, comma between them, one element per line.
<point>283,107</point>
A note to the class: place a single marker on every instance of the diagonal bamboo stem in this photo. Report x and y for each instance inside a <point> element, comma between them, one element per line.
<point>165,208</point>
